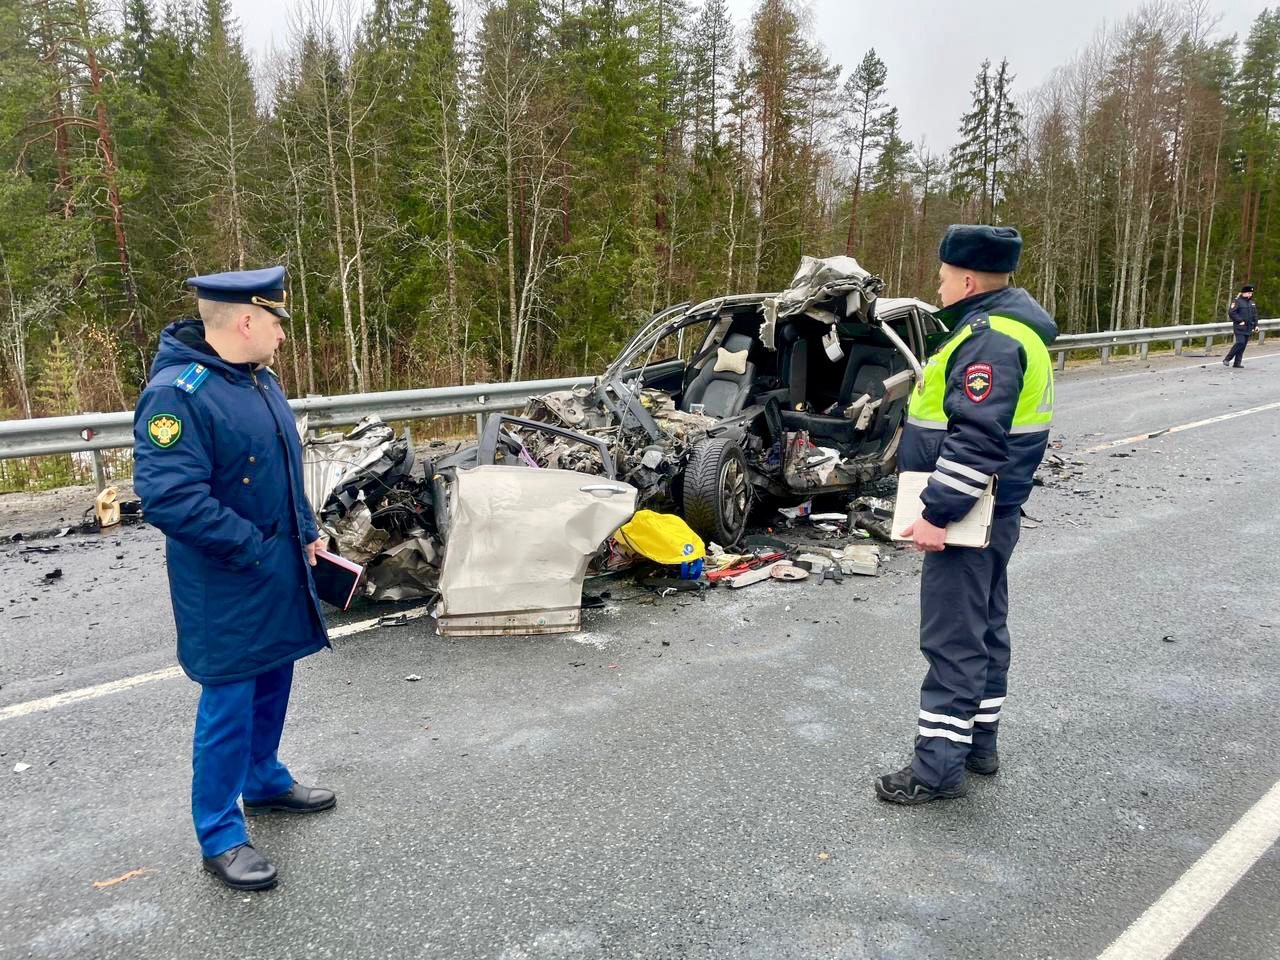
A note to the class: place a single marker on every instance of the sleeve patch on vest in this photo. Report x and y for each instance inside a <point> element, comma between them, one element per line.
<point>977,381</point>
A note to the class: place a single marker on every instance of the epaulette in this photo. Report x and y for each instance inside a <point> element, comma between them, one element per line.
<point>192,378</point>
<point>981,323</point>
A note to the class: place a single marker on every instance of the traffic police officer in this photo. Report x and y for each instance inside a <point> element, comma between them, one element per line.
<point>983,410</point>
<point>218,465</point>
<point>1244,320</point>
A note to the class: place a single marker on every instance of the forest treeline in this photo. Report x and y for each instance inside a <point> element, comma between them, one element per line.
<point>506,189</point>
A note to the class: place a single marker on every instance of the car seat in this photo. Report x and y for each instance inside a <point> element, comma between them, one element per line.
<point>722,393</point>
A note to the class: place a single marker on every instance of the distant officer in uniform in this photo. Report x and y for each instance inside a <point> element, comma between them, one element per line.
<point>1244,320</point>
<point>219,469</point>
<point>984,411</point>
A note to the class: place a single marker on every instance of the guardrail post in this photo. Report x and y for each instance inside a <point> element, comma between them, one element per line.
<point>1106,354</point>
<point>1143,350</point>
<point>479,425</point>
<point>1062,359</point>
<point>99,479</point>
<point>1177,348</point>
<point>1208,344</point>
<point>1262,337</point>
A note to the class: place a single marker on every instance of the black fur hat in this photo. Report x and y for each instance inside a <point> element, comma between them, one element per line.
<point>981,247</point>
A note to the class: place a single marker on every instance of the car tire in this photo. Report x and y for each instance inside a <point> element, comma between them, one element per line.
<point>716,491</point>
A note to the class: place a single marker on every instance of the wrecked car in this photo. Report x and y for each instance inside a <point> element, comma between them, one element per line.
<point>753,398</point>
<point>465,526</point>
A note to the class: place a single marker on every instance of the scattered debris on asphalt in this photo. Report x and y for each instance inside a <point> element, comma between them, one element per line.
<point>106,508</point>
<point>102,884</point>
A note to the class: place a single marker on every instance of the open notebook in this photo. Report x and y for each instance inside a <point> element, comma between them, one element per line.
<point>972,530</point>
<point>336,578</point>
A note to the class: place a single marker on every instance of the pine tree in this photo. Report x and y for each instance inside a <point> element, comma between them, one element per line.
<point>861,125</point>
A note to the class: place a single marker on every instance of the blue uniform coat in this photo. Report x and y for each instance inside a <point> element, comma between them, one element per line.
<point>978,436</point>
<point>218,466</point>
<point>1244,316</point>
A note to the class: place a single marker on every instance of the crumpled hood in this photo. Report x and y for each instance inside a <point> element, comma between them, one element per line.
<point>182,342</point>
<point>1012,302</point>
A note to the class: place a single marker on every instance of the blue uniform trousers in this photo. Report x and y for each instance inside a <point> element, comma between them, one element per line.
<point>238,728</point>
<point>964,601</point>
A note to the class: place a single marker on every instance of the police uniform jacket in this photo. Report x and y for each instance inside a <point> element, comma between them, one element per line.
<point>1244,316</point>
<point>218,466</point>
<point>985,407</point>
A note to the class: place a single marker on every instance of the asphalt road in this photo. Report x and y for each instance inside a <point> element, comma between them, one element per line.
<point>691,778</point>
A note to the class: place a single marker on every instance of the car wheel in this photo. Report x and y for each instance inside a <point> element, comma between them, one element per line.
<point>717,490</point>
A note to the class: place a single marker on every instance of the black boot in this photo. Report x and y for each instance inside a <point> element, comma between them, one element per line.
<point>982,764</point>
<point>906,788</point>
<point>297,799</point>
<point>242,868</point>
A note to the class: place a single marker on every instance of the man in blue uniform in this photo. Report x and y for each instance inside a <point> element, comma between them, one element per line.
<point>983,411</point>
<point>1244,320</point>
<point>218,465</point>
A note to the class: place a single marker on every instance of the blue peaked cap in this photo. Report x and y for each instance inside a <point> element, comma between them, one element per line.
<point>264,288</point>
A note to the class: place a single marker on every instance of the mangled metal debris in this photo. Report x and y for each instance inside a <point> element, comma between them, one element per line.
<point>519,544</point>
<point>505,546</point>
<point>375,502</point>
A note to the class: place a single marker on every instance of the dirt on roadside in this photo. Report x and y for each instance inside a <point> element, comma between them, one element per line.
<point>39,512</point>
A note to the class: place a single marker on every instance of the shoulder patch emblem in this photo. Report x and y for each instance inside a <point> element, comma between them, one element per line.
<point>164,429</point>
<point>192,378</point>
<point>977,381</point>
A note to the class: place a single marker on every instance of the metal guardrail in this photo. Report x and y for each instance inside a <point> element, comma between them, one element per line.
<point>1143,337</point>
<point>89,432</point>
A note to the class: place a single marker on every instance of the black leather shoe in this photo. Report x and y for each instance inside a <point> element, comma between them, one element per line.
<point>242,868</point>
<point>984,765</point>
<point>297,799</point>
<point>906,788</point>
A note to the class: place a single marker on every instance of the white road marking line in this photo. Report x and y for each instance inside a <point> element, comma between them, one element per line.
<point>69,697</point>
<point>1206,362</point>
<point>86,693</point>
<point>1168,921</point>
<point>1180,427</point>
<point>390,620</point>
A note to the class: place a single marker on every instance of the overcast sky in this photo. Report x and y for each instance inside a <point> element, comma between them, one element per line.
<point>931,47</point>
